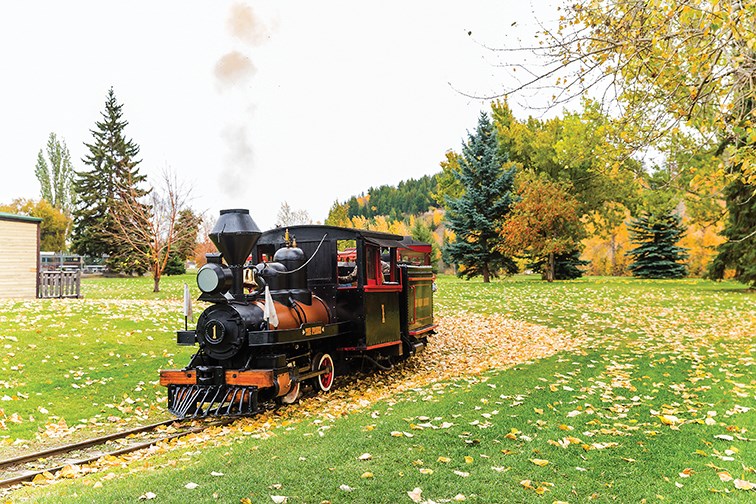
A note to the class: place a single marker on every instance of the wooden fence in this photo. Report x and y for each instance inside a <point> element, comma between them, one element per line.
<point>59,284</point>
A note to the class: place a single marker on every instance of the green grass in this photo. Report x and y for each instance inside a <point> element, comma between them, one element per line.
<point>657,403</point>
<point>87,364</point>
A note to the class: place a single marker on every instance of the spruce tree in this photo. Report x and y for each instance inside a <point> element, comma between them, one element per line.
<point>113,173</point>
<point>739,251</point>
<point>476,216</point>
<point>657,255</point>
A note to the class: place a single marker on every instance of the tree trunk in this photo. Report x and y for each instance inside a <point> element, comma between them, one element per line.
<point>486,273</point>
<point>613,253</point>
<point>156,279</point>
<point>550,274</point>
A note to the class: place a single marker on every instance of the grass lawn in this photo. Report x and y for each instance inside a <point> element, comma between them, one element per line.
<point>71,367</point>
<point>656,404</point>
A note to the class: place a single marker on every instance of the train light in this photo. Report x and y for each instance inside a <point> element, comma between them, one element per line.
<point>214,278</point>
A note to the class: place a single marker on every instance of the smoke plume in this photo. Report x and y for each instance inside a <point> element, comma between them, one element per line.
<point>244,25</point>
<point>234,72</point>
<point>234,68</point>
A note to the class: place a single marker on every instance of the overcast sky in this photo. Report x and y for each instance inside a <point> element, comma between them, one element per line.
<point>255,103</point>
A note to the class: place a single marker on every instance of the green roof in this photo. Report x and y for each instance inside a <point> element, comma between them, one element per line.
<point>25,218</point>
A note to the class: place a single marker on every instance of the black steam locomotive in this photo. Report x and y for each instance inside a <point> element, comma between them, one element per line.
<point>313,300</point>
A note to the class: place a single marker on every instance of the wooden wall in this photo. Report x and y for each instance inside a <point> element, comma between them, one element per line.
<point>19,258</point>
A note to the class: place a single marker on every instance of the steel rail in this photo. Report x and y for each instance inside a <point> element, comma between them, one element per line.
<point>82,444</point>
<point>28,476</point>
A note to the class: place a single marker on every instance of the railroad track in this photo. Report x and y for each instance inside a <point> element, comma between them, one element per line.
<point>25,468</point>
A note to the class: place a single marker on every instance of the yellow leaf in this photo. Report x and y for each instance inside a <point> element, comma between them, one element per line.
<point>468,459</point>
<point>366,475</point>
<point>443,460</point>
<point>424,470</point>
<point>539,462</point>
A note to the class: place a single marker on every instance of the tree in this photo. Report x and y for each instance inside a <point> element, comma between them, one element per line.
<point>186,242</point>
<point>338,215</point>
<point>669,67</point>
<point>148,224</point>
<point>544,222</point>
<point>287,216</point>
<point>657,255</point>
<point>54,226</point>
<point>567,266</point>
<point>422,232</point>
<point>114,172</point>
<point>476,216</point>
<point>55,174</point>
<point>739,251</point>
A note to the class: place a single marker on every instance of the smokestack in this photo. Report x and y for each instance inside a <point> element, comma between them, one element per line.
<point>235,234</point>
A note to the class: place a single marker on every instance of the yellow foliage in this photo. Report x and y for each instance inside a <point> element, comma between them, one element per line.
<point>701,242</point>
<point>608,255</point>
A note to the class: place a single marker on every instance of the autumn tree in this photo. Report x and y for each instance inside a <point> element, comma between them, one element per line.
<point>54,226</point>
<point>667,67</point>
<point>149,226</point>
<point>55,174</point>
<point>544,222</point>
<point>476,216</point>
<point>114,172</point>
<point>338,215</point>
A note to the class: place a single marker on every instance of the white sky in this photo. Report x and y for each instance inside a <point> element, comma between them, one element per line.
<point>343,96</point>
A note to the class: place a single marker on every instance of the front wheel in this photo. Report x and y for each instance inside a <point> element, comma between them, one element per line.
<point>324,362</point>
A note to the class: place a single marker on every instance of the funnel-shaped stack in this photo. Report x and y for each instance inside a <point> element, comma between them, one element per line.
<point>235,233</point>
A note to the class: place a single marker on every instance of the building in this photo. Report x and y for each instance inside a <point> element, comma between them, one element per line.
<point>19,256</point>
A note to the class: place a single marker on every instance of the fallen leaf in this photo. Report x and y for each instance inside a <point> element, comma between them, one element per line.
<point>416,495</point>
<point>744,485</point>
<point>147,496</point>
<point>539,462</point>
<point>278,499</point>
<point>191,486</point>
<point>345,488</point>
<point>365,456</point>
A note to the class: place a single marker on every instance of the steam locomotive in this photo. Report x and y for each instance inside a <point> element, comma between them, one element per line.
<point>311,302</point>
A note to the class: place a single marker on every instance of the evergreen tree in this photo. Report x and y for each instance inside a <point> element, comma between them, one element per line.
<point>55,174</point>
<point>739,251</point>
<point>566,266</point>
<point>476,216</point>
<point>656,255</point>
<point>113,173</point>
